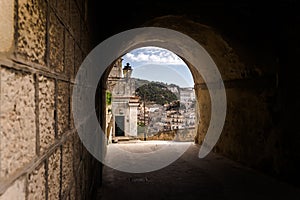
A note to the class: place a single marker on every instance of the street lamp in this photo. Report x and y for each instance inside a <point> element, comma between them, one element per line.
<point>127,70</point>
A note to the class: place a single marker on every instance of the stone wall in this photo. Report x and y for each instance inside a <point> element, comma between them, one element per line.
<point>42,44</point>
<point>181,135</point>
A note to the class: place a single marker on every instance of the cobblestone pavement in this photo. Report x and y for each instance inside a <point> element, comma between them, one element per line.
<point>214,177</point>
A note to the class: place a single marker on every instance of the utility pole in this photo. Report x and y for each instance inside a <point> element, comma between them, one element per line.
<point>178,103</point>
<point>145,135</point>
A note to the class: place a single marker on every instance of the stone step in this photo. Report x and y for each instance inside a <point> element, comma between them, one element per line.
<point>123,138</point>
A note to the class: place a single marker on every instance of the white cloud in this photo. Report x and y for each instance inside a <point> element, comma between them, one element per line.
<point>153,55</point>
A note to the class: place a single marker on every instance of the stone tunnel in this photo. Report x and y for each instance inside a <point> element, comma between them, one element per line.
<point>43,43</point>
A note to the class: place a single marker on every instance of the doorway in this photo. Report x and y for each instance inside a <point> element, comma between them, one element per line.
<point>119,124</point>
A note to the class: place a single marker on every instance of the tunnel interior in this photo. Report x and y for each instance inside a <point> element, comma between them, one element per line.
<point>247,46</point>
<point>255,46</point>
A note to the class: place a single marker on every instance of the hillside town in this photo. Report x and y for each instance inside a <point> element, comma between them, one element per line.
<point>170,116</point>
<point>134,116</point>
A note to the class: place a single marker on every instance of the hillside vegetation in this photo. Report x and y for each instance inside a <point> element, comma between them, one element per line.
<point>155,92</point>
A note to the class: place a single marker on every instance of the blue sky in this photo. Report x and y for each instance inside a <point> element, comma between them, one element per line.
<point>157,64</point>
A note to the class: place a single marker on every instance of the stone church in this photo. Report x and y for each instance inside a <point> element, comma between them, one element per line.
<point>124,102</point>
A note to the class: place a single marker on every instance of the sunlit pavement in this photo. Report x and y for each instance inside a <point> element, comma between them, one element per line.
<point>214,177</point>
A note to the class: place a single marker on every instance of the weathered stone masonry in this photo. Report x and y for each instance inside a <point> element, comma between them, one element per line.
<point>248,135</point>
<point>42,44</point>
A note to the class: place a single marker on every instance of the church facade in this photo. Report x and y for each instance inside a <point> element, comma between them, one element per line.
<point>124,103</point>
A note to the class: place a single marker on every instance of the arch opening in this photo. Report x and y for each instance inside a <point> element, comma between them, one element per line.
<point>154,100</point>
<point>124,42</point>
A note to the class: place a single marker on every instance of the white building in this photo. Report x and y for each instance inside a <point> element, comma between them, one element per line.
<point>187,94</point>
<point>124,104</point>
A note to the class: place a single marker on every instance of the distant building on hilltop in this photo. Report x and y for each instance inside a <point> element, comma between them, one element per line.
<point>187,94</point>
<point>174,88</point>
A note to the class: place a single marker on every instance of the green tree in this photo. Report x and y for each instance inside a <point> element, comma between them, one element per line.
<point>155,92</point>
<point>108,98</point>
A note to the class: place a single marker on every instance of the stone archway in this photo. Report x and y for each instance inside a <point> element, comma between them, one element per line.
<point>122,43</point>
<point>246,88</point>
<point>229,65</point>
<point>223,55</point>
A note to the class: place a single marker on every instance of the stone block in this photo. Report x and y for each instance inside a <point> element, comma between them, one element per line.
<point>75,20</point>
<point>80,189</point>
<point>78,58</point>
<point>37,184</point>
<point>17,120</point>
<point>77,151</point>
<point>46,112</point>
<point>67,165</point>
<point>16,191</point>
<point>56,45</point>
<point>63,10</point>
<point>72,126</point>
<point>204,103</point>
<point>68,12</point>
<point>53,3</point>
<point>80,4</point>
<point>54,175</point>
<point>243,127</point>
<point>62,106</point>
<point>69,54</point>
<point>83,34</point>
<point>72,193</point>
<point>31,29</point>
<point>6,25</point>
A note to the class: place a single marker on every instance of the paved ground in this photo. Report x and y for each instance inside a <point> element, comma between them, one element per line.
<point>213,177</point>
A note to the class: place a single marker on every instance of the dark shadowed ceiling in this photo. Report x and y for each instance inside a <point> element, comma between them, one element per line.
<point>262,27</point>
<point>239,19</point>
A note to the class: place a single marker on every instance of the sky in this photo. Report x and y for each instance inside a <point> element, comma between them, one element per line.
<point>158,64</point>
